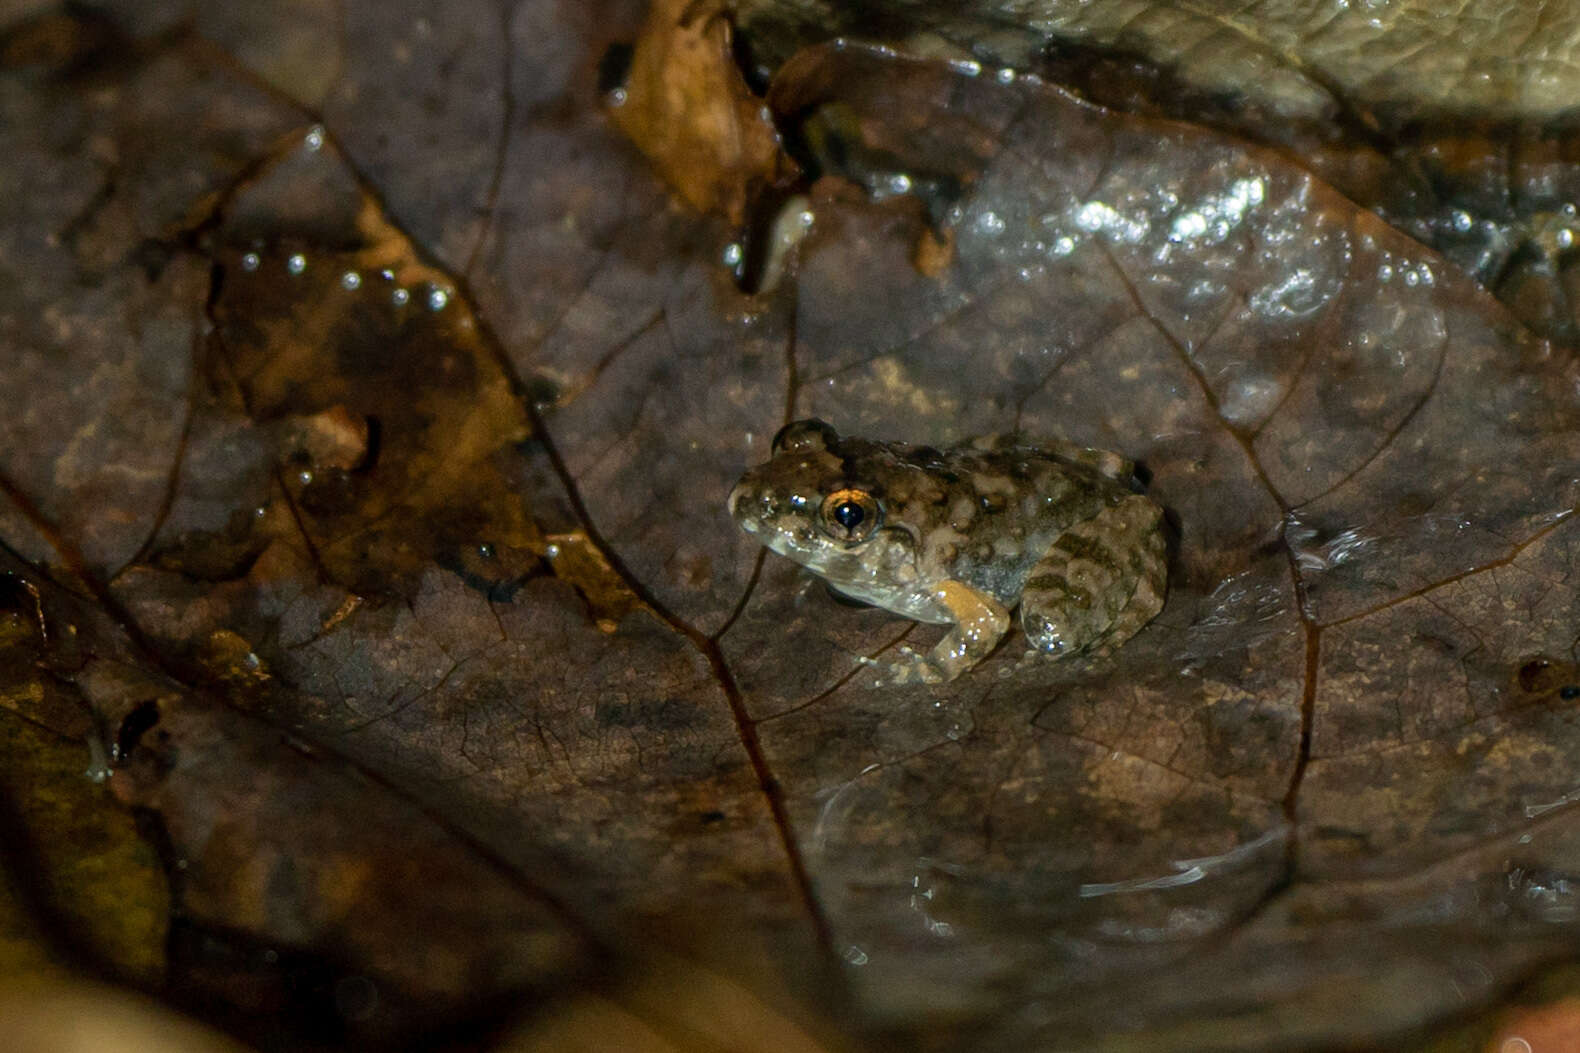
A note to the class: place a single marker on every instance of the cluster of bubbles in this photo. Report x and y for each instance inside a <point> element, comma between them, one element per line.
<point>437,298</point>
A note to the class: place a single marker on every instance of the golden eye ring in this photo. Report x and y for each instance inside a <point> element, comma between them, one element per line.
<point>849,516</point>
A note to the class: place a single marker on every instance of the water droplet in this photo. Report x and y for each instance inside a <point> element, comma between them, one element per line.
<point>733,254</point>
<point>296,263</point>
<point>400,297</point>
<point>304,477</point>
<point>1385,273</point>
<point>1187,226</point>
<point>351,280</point>
<point>990,223</point>
<point>314,139</point>
<point>250,262</point>
<point>1461,220</point>
<point>552,551</point>
<point>1566,238</point>
<point>617,97</point>
<point>1006,75</point>
<point>899,183</point>
<point>437,299</point>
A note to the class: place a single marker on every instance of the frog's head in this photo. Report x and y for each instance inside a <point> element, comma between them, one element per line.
<point>815,501</point>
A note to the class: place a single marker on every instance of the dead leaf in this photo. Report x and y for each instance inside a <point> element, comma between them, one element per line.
<point>685,105</point>
<point>369,489</point>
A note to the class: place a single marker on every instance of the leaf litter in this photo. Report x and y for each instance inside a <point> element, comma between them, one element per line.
<point>349,578</point>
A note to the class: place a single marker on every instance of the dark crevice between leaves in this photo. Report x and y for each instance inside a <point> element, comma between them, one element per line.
<point>303,999</point>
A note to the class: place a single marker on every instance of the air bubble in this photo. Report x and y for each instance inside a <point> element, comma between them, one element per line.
<point>400,297</point>
<point>314,139</point>
<point>437,299</point>
<point>296,263</point>
<point>250,262</point>
<point>351,280</point>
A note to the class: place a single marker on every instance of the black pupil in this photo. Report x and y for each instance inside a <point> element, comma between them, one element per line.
<point>848,514</point>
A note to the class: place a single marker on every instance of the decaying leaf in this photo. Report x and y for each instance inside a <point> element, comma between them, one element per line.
<point>366,513</point>
<point>685,105</point>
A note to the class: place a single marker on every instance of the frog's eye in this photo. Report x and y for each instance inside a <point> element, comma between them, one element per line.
<point>849,515</point>
<point>805,436</point>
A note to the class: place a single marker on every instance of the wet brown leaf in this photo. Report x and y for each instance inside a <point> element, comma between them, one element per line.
<point>685,104</point>
<point>371,477</point>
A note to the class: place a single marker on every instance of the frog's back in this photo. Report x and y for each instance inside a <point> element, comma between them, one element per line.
<point>997,507</point>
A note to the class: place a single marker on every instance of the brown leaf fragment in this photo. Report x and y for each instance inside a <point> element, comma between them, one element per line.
<point>686,106</point>
<point>277,840</point>
<point>387,422</point>
<point>81,888</point>
<point>333,438</point>
<point>68,1017</point>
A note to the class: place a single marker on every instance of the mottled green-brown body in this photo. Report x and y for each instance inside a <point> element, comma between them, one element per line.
<point>962,535</point>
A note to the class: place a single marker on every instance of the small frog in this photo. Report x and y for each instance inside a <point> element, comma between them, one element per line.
<point>960,536</point>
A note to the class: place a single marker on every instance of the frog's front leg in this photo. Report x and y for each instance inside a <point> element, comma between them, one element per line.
<point>1102,578</point>
<point>980,622</point>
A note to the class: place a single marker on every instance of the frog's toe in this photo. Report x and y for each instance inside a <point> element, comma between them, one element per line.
<point>918,670</point>
<point>1046,634</point>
